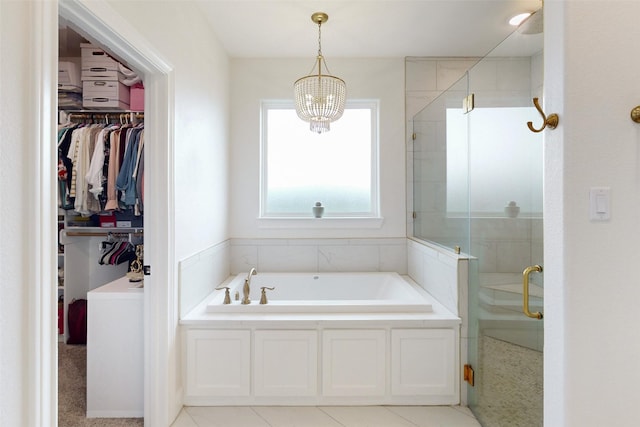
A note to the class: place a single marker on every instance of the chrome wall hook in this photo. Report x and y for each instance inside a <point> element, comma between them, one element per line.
<point>551,120</point>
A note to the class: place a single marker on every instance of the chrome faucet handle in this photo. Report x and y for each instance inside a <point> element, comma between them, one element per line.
<point>263,297</point>
<point>227,297</point>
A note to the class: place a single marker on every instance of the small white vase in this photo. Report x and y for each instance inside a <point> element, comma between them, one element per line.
<point>512,210</point>
<point>318,210</point>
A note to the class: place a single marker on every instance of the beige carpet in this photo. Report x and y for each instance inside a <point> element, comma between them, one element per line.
<point>72,391</point>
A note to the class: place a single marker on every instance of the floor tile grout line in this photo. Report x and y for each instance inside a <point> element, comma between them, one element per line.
<point>260,416</point>
<point>330,416</point>
<point>400,416</point>
<point>184,409</point>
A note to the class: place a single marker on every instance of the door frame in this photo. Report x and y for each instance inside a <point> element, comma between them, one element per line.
<point>162,401</point>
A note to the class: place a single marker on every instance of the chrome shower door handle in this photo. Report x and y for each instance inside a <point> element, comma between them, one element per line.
<point>525,291</point>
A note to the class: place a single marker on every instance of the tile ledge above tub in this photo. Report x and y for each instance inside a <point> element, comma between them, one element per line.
<point>320,223</point>
<point>435,248</point>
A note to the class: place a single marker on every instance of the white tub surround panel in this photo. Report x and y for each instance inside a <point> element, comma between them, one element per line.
<point>297,351</point>
<point>416,360</point>
<point>328,255</point>
<point>326,360</point>
<point>322,358</point>
<point>199,274</point>
<point>445,275</point>
<point>440,272</point>
<point>219,363</point>
<point>354,362</point>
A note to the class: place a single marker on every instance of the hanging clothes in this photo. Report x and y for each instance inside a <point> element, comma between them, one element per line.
<point>100,167</point>
<point>126,181</point>
<point>116,251</point>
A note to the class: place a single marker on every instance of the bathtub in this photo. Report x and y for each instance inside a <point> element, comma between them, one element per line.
<point>322,339</point>
<point>384,292</point>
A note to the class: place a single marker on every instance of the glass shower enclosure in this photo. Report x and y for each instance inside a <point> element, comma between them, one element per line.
<point>477,190</point>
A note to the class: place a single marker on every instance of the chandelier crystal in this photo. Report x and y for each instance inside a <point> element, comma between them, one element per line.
<point>319,97</point>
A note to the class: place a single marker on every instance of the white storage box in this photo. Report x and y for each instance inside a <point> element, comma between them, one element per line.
<point>99,102</point>
<point>105,94</point>
<point>69,76</point>
<point>102,73</point>
<point>93,56</point>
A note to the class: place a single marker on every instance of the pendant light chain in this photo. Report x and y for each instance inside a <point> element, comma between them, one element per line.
<point>319,38</point>
<point>320,56</point>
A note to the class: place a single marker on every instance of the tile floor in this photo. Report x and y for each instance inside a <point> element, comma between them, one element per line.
<point>326,416</point>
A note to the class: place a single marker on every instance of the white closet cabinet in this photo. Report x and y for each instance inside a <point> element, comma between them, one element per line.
<point>115,351</point>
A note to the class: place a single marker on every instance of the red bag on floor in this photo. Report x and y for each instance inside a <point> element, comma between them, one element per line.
<point>60,318</point>
<point>77,322</point>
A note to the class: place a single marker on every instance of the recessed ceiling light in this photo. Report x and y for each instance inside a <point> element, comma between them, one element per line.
<point>519,19</point>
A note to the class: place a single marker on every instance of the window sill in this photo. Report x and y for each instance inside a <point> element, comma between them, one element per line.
<point>321,223</point>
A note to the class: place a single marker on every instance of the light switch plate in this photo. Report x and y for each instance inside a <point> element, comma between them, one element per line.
<point>600,203</point>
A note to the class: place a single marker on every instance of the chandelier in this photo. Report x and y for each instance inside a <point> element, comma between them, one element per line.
<point>319,97</point>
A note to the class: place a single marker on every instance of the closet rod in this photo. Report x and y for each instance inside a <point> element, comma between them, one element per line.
<point>102,111</point>
<point>96,233</point>
<point>100,115</point>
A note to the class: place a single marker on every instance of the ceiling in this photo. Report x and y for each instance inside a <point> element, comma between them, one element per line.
<point>362,28</point>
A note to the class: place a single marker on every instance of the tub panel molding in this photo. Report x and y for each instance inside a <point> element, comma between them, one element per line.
<point>331,365</point>
<point>353,362</point>
<point>218,362</point>
<point>285,363</point>
<point>423,362</point>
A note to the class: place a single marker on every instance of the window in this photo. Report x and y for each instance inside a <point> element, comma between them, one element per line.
<point>338,168</point>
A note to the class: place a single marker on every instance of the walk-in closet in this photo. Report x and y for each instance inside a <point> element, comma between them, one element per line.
<point>100,176</point>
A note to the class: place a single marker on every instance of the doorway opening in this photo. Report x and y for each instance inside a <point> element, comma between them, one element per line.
<point>100,24</point>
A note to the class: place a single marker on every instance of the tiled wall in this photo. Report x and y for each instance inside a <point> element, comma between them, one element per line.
<point>425,80</point>
<point>200,273</point>
<point>440,272</point>
<point>301,255</point>
<point>506,245</point>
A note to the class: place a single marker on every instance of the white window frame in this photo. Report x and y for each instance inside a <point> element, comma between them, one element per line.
<point>371,219</point>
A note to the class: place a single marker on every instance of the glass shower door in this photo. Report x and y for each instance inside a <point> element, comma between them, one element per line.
<point>477,190</point>
<point>506,268</point>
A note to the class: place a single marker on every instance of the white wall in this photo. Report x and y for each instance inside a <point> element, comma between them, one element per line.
<point>184,38</point>
<point>256,79</point>
<point>200,157</point>
<point>591,280</point>
<point>16,374</point>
